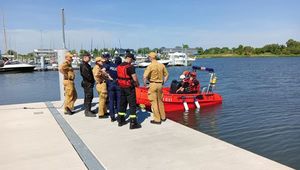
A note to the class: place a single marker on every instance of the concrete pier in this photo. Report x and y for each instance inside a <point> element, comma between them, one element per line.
<point>42,137</point>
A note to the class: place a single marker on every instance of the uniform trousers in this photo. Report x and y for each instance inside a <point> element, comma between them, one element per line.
<point>114,96</point>
<point>102,92</point>
<point>128,97</point>
<point>155,96</point>
<point>88,94</point>
<point>70,94</point>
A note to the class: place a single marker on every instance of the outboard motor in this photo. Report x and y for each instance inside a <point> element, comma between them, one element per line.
<point>174,86</point>
<point>1,63</point>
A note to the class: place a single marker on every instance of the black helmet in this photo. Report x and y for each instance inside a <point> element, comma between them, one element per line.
<point>107,56</point>
<point>118,60</point>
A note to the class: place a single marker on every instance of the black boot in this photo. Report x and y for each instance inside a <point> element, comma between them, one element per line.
<point>134,124</point>
<point>121,120</point>
<point>68,111</point>
<point>88,113</point>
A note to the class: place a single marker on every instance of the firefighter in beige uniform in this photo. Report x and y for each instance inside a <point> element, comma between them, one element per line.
<point>100,78</point>
<point>69,87</point>
<point>157,74</point>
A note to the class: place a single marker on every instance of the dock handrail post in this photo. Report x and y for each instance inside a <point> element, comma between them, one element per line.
<point>60,59</point>
<point>61,56</point>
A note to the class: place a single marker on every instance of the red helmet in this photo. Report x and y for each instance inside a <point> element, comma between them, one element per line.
<point>186,73</point>
<point>193,74</point>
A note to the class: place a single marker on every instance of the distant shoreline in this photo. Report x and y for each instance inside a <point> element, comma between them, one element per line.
<point>244,56</point>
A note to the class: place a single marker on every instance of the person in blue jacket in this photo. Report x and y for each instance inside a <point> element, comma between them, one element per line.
<point>112,86</point>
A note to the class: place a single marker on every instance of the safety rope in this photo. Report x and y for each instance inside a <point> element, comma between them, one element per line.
<point>45,107</point>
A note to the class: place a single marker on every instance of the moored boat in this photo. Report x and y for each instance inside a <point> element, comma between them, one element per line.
<point>17,67</point>
<point>146,63</point>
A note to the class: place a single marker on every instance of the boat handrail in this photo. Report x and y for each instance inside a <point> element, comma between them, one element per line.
<point>212,80</point>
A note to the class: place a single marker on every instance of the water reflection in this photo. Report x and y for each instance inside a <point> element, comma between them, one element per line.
<point>205,119</point>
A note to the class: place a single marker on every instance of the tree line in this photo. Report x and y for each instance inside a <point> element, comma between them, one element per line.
<point>292,47</point>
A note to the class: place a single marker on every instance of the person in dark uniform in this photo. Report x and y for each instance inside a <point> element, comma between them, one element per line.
<point>127,80</point>
<point>87,84</point>
<point>113,87</point>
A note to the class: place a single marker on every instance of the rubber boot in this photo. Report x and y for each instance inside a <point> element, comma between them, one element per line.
<point>134,124</point>
<point>121,120</point>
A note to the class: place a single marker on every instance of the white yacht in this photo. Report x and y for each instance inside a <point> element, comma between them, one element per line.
<point>16,66</point>
<point>180,59</point>
<point>148,62</point>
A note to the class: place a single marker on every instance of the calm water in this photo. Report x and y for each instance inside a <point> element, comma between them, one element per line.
<point>260,111</point>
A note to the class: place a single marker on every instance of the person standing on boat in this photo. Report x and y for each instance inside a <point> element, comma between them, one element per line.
<point>157,74</point>
<point>69,87</point>
<point>100,77</point>
<point>113,88</point>
<point>87,84</point>
<point>127,80</point>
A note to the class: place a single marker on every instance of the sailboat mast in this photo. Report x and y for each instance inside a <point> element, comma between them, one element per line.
<point>5,38</point>
<point>63,27</point>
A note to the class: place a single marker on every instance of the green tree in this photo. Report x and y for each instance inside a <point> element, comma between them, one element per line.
<point>272,48</point>
<point>200,50</point>
<point>82,52</point>
<point>185,46</point>
<point>144,50</point>
<point>157,50</point>
<point>247,50</point>
<point>73,51</point>
<point>225,50</point>
<point>239,50</point>
<point>293,47</point>
<point>292,43</point>
<point>95,52</point>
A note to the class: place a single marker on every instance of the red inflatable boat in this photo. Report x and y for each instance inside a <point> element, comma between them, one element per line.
<point>176,102</point>
<point>184,102</point>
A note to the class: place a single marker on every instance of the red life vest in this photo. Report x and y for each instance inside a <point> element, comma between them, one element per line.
<point>193,87</point>
<point>124,80</point>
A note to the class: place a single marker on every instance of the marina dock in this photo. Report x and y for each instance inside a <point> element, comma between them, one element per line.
<point>40,136</point>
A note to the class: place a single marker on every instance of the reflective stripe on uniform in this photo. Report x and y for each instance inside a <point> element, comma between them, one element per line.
<point>132,116</point>
<point>121,113</point>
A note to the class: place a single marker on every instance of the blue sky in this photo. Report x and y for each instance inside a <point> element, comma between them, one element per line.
<point>34,24</point>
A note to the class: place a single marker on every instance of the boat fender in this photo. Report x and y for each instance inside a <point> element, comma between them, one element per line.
<point>196,103</point>
<point>185,105</point>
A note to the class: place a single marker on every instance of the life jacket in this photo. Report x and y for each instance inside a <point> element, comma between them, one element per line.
<point>124,80</point>
<point>192,87</point>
